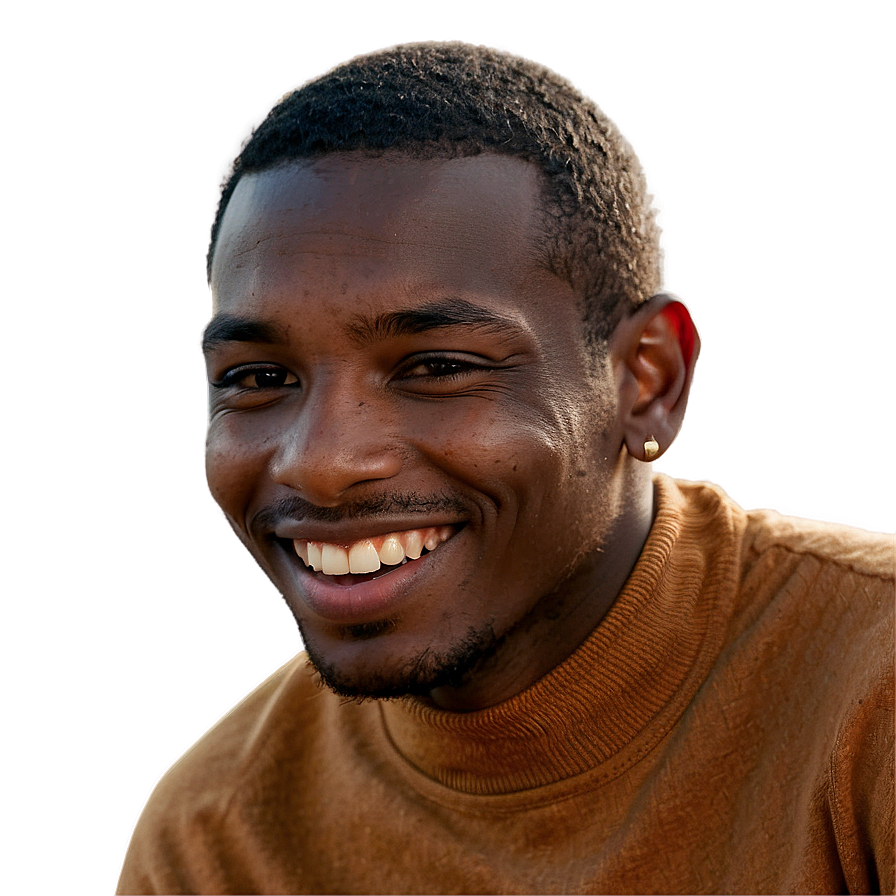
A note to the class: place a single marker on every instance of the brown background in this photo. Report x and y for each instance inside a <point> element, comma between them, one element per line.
<point>133,617</point>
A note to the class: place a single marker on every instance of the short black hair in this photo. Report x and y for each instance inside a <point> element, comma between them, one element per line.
<point>447,100</point>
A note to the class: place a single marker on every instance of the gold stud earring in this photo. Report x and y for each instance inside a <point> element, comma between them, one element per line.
<point>651,448</point>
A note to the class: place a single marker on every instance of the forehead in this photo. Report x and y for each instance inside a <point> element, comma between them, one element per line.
<point>317,247</point>
<point>414,218</point>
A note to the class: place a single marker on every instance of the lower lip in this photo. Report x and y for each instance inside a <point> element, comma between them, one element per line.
<point>364,601</point>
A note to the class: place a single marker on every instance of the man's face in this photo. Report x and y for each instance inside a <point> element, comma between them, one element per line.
<point>393,370</point>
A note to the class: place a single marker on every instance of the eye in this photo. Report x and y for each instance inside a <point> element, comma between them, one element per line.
<point>267,377</point>
<point>438,367</point>
<point>444,375</point>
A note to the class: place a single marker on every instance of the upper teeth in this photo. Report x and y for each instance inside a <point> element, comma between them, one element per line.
<point>368,554</point>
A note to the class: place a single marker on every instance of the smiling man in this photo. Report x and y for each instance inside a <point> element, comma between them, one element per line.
<point>440,364</point>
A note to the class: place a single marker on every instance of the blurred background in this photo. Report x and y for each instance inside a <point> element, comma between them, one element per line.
<point>134,617</point>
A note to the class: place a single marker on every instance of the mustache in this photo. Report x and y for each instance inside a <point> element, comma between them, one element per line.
<point>297,509</point>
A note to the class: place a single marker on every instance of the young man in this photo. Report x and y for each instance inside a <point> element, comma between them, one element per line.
<point>439,368</point>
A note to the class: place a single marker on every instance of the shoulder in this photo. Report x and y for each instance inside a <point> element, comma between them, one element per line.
<point>780,557</point>
<point>768,534</point>
<point>233,747</point>
<point>812,604</point>
<point>823,594</point>
<point>811,643</point>
<point>852,550</point>
<point>823,583</point>
<point>182,832</point>
<point>832,583</point>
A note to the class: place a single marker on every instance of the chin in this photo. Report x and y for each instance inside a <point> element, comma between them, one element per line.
<point>368,677</point>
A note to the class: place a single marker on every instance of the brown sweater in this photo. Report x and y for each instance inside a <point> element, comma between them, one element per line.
<point>727,728</point>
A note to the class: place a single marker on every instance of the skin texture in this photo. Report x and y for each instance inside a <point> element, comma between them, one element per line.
<point>389,352</point>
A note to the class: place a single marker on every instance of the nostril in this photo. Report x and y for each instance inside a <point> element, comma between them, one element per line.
<point>329,487</point>
<point>323,472</point>
<point>339,438</point>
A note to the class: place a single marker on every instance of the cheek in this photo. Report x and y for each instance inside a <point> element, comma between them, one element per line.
<point>234,462</point>
<point>513,457</point>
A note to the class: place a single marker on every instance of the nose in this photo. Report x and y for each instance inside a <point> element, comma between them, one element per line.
<point>337,441</point>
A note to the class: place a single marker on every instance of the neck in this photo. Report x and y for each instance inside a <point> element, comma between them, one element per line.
<point>563,619</point>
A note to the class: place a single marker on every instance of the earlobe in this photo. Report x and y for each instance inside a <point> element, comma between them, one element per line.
<point>655,352</point>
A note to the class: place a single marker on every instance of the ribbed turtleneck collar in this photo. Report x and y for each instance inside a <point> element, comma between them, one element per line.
<point>622,689</point>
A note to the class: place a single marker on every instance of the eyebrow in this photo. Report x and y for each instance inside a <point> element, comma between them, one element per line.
<point>431,316</point>
<point>225,328</point>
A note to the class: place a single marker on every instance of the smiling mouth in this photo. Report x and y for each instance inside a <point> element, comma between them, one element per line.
<point>380,554</point>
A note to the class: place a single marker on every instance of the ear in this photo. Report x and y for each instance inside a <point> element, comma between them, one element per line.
<point>654,353</point>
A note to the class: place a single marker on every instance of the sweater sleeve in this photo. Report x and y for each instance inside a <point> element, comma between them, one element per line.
<point>862,788</point>
<point>175,849</point>
<point>187,840</point>
<point>150,866</point>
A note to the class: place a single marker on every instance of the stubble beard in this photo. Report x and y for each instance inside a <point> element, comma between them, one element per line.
<point>419,676</point>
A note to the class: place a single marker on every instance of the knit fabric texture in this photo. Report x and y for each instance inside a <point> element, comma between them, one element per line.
<point>726,728</point>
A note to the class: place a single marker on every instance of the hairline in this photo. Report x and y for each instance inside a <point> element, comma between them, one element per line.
<point>547,231</point>
<point>452,100</point>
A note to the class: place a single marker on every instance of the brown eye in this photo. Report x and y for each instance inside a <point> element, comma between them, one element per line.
<point>257,378</point>
<point>269,379</point>
<point>439,368</point>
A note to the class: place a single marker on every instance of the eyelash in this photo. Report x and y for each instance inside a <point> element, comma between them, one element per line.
<point>233,378</point>
<point>451,368</point>
<point>460,367</point>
